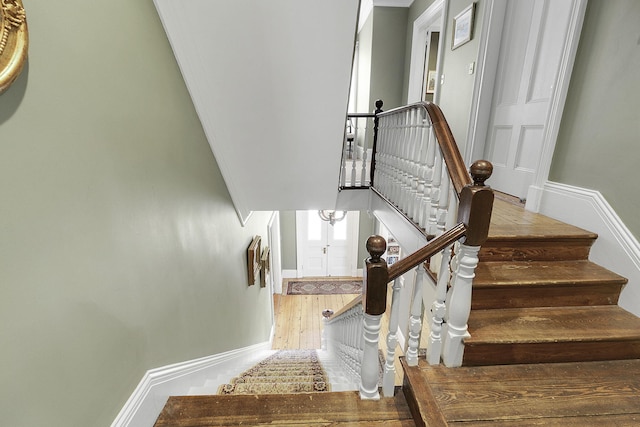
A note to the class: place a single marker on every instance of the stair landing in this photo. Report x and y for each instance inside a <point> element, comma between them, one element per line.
<point>302,409</point>
<point>550,394</point>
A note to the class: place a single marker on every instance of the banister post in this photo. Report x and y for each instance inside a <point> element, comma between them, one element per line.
<point>378,110</point>
<point>374,300</point>
<point>476,204</point>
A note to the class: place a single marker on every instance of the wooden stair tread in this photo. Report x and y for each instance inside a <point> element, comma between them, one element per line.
<point>498,274</point>
<point>556,394</point>
<point>509,221</point>
<point>302,409</point>
<point>552,324</point>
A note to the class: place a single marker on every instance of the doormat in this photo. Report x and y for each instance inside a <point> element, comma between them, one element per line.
<point>324,287</point>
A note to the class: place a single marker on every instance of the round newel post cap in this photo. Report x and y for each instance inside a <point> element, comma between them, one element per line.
<point>327,313</point>
<point>378,105</point>
<point>480,171</point>
<point>376,245</point>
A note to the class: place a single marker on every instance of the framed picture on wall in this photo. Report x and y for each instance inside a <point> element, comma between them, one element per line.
<point>431,81</point>
<point>463,26</point>
<point>253,260</point>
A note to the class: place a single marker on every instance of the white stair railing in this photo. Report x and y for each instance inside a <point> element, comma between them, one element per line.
<point>419,170</point>
<point>343,338</point>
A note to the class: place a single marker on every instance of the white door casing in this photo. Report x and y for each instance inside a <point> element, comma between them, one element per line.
<point>434,19</point>
<point>324,249</point>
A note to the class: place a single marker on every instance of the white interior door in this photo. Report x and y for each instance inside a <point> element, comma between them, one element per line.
<point>531,52</point>
<point>325,249</point>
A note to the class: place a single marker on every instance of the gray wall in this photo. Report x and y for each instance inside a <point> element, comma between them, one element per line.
<point>120,250</point>
<point>387,55</point>
<point>598,145</point>
<point>288,240</point>
<point>457,90</point>
<point>416,9</point>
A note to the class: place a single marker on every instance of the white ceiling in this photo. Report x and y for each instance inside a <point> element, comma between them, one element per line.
<point>270,81</point>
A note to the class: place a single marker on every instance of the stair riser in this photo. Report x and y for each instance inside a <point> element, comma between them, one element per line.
<point>505,354</point>
<point>545,296</point>
<point>536,250</point>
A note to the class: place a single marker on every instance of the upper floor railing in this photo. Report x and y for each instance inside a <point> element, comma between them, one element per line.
<point>418,169</point>
<point>359,146</point>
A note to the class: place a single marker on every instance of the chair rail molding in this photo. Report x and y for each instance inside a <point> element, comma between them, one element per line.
<point>616,247</point>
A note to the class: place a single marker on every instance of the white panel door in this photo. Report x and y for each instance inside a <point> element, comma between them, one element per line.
<point>530,56</point>
<point>325,249</point>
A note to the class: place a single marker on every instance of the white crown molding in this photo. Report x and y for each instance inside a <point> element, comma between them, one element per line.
<point>616,247</point>
<point>151,394</point>
<point>392,3</point>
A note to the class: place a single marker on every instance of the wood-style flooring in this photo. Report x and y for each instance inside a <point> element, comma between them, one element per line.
<point>340,409</point>
<point>299,323</point>
<point>542,394</point>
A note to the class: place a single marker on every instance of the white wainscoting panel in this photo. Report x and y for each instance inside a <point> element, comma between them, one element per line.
<point>148,399</point>
<point>616,247</point>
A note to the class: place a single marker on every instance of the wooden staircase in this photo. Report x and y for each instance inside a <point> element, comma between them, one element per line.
<point>549,346</point>
<point>537,298</point>
<point>542,308</point>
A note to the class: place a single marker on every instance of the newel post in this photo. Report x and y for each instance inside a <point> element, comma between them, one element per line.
<point>374,301</point>
<point>378,110</point>
<point>476,204</point>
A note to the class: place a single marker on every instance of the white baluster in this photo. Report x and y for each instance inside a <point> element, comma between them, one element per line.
<point>438,308</point>
<point>388,379</point>
<point>459,305</point>
<point>421,167</point>
<point>443,203</point>
<point>354,155</point>
<point>415,321</point>
<point>369,366</point>
<point>365,145</point>
<point>435,194</point>
<point>432,148</point>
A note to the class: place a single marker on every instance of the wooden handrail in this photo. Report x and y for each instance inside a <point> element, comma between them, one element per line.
<point>357,300</point>
<point>452,157</point>
<point>426,252</point>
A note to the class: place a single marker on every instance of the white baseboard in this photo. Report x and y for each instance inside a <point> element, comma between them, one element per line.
<point>616,247</point>
<point>148,399</point>
<point>289,274</point>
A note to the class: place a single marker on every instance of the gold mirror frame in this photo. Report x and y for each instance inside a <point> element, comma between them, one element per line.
<point>14,41</point>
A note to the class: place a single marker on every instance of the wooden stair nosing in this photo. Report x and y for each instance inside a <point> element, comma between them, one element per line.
<point>519,284</point>
<point>420,398</point>
<point>307,409</point>
<point>499,274</point>
<point>545,296</point>
<point>551,334</point>
<point>552,324</point>
<point>550,352</point>
<point>521,393</point>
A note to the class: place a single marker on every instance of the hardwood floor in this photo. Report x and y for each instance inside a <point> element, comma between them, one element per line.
<point>299,319</point>
<point>299,323</point>
<point>341,409</point>
<point>549,394</point>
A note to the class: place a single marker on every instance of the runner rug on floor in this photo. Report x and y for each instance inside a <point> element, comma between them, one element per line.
<point>286,371</point>
<point>324,287</point>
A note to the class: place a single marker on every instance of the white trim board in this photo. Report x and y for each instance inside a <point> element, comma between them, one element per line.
<point>151,394</point>
<point>429,18</point>
<point>616,247</point>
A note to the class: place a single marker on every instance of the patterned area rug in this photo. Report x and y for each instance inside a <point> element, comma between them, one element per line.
<point>287,371</point>
<point>324,287</point>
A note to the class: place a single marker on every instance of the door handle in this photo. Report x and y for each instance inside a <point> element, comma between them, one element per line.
<point>324,250</point>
